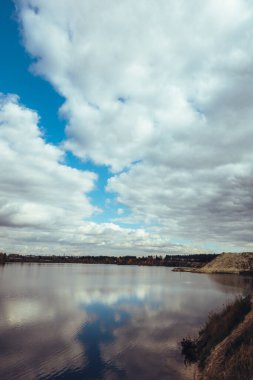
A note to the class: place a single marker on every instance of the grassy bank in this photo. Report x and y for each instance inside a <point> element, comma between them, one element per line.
<point>223,349</point>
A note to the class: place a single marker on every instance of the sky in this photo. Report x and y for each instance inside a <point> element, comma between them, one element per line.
<point>126,127</point>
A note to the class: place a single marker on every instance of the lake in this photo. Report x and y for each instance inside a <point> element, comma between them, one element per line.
<point>72,322</point>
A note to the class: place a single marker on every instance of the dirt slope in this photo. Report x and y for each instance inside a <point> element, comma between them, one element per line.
<point>229,263</point>
<point>216,366</point>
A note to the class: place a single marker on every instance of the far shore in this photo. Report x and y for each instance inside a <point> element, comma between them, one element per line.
<point>225,263</point>
<point>190,261</point>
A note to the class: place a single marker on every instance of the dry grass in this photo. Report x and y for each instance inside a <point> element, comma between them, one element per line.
<point>219,326</point>
<point>238,363</point>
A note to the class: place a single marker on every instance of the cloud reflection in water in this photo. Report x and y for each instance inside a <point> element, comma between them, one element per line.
<point>103,322</point>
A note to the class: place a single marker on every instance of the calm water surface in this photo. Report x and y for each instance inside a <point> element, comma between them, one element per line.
<point>71,322</point>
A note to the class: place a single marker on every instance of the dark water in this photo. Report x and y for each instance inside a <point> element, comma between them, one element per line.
<point>71,322</point>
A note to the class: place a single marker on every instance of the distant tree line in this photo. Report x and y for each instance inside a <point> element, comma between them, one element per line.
<point>2,258</point>
<point>194,260</point>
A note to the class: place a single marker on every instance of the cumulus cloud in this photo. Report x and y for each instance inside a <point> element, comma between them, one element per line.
<point>36,187</point>
<point>134,72</point>
<point>167,85</point>
<point>212,205</point>
<point>44,202</point>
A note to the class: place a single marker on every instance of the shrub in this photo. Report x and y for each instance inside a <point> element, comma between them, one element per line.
<point>189,347</point>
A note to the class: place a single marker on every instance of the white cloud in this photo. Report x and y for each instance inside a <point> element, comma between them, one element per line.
<point>43,202</point>
<point>129,72</point>
<point>36,187</point>
<point>165,83</point>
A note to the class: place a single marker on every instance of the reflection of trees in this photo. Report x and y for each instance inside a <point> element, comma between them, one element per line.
<point>234,282</point>
<point>2,258</point>
<point>98,331</point>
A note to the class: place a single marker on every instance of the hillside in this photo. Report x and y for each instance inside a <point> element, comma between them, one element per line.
<point>229,263</point>
<point>232,358</point>
<point>224,347</point>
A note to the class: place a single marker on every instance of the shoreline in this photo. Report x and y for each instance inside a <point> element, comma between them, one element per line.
<point>191,261</point>
<point>199,271</point>
<point>223,349</point>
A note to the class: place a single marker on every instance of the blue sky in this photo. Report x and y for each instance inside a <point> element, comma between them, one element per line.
<point>16,77</point>
<point>103,146</point>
